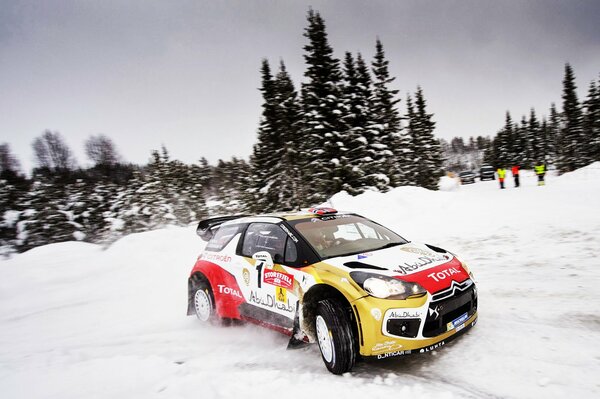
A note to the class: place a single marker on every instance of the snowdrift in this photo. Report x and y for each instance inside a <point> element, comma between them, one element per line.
<point>79,321</point>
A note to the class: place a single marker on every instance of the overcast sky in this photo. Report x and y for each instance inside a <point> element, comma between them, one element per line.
<point>185,73</point>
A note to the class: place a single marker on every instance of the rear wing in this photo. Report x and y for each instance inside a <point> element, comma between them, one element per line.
<point>207,227</point>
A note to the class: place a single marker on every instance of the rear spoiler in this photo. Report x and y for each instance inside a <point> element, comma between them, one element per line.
<point>207,227</point>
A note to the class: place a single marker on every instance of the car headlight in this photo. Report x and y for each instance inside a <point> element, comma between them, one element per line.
<point>386,287</point>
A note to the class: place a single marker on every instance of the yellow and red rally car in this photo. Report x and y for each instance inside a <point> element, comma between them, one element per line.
<point>353,286</point>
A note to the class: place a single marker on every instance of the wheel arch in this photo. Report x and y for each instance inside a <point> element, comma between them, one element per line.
<point>310,301</point>
<point>193,281</point>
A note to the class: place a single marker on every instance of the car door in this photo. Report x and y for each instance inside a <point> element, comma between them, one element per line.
<point>268,286</point>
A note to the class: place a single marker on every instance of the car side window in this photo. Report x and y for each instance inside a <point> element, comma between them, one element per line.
<point>222,237</point>
<point>272,239</point>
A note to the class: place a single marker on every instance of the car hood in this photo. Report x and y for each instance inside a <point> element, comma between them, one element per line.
<point>432,267</point>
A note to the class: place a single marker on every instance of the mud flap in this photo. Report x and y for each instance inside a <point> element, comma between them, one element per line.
<point>298,339</point>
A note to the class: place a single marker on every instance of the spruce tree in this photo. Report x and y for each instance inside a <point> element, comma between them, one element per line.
<point>323,125</point>
<point>276,169</point>
<point>389,142</point>
<point>412,150</point>
<point>591,121</point>
<point>287,172</point>
<point>553,137</point>
<point>426,146</point>
<point>358,157</point>
<point>572,138</point>
<point>263,158</point>
<point>535,141</point>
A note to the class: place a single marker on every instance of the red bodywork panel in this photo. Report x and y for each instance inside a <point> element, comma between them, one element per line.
<point>439,277</point>
<point>226,291</point>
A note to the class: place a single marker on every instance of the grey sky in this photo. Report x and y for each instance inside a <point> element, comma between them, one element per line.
<point>185,73</point>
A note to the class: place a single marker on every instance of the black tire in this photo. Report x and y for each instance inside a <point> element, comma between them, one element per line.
<point>203,302</point>
<point>338,347</point>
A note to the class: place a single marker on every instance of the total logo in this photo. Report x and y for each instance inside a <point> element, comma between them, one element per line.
<point>438,276</point>
<point>223,289</point>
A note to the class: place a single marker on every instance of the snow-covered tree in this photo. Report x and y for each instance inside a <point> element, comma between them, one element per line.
<point>389,141</point>
<point>427,148</point>
<point>591,121</point>
<point>572,155</point>
<point>323,107</point>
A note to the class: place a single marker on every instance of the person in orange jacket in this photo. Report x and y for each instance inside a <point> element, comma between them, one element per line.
<point>501,175</point>
<point>515,173</point>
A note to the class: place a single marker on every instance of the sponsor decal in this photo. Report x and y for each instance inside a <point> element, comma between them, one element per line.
<point>404,314</point>
<point>417,251</point>
<point>437,276</point>
<point>279,279</point>
<point>326,218</point>
<point>215,257</point>
<point>365,255</point>
<point>246,276</point>
<point>281,294</point>
<point>289,233</point>
<point>458,323</point>
<point>425,260</point>
<point>387,346</point>
<point>392,354</point>
<point>432,347</point>
<point>270,302</point>
<point>223,289</point>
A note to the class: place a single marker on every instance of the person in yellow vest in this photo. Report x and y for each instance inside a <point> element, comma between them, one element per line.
<point>540,171</point>
<point>501,175</point>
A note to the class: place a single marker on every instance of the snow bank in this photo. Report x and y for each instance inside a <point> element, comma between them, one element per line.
<point>81,321</point>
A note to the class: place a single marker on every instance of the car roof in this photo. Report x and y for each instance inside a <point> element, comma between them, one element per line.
<point>284,215</point>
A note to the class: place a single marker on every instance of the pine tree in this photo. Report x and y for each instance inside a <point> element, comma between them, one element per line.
<point>535,139</point>
<point>390,144</point>
<point>426,146</point>
<point>553,136</point>
<point>287,173</point>
<point>572,139</point>
<point>412,151</point>
<point>276,169</point>
<point>323,110</point>
<point>591,121</point>
<point>263,159</point>
<point>358,157</point>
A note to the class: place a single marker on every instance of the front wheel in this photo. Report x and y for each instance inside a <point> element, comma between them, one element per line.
<point>335,336</point>
<point>204,302</point>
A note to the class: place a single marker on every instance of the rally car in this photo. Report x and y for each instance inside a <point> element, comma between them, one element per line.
<point>356,288</point>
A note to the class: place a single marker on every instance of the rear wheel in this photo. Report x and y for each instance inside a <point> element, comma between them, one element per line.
<point>204,302</point>
<point>335,336</point>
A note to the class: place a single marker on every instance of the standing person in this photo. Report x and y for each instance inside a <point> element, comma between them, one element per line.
<point>540,171</point>
<point>501,175</point>
<point>515,173</point>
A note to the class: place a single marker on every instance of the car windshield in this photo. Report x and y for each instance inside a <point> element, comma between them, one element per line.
<point>341,235</point>
<point>467,173</point>
<point>487,168</point>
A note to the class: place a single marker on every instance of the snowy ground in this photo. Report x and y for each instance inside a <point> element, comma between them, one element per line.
<point>77,321</point>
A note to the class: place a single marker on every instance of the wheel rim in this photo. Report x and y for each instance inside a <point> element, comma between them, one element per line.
<point>202,305</point>
<point>325,342</point>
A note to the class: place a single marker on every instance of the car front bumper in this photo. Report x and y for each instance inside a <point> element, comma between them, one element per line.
<point>389,328</point>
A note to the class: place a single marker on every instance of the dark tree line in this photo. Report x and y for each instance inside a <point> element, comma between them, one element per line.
<point>568,139</point>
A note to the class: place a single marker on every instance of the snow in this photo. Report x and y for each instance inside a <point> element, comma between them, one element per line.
<point>79,321</point>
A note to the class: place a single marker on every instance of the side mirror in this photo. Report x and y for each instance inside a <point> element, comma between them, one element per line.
<point>264,256</point>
